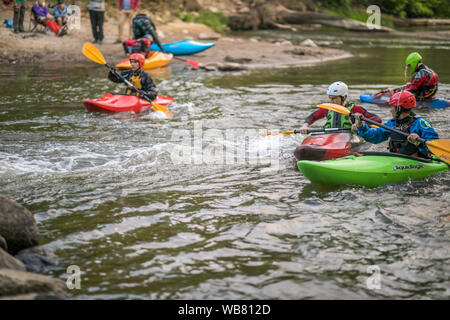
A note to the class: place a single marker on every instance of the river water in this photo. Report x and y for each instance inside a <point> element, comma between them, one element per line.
<point>203,207</point>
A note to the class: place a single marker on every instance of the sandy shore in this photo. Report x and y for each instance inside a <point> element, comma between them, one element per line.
<point>37,47</point>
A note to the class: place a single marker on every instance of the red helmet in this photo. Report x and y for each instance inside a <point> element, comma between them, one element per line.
<point>139,57</point>
<point>404,99</point>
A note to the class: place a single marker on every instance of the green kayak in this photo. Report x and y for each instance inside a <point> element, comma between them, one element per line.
<point>370,170</point>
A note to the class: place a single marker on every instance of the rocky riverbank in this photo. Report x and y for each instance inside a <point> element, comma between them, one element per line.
<point>21,260</point>
<point>229,53</point>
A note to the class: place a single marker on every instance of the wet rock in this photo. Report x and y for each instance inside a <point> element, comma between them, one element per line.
<point>212,66</point>
<point>3,244</point>
<point>308,43</point>
<point>17,226</point>
<point>33,296</point>
<point>7,261</point>
<point>37,260</point>
<point>296,51</point>
<point>237,60</point>
<point>14,282</point>
<point>232,67</point>
<point>215,66</point>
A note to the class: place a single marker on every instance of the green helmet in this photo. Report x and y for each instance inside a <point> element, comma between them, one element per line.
<point>412,60</point>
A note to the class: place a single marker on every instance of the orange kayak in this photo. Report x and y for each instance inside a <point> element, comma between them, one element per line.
<point>123,103</point>
<point>155,60</point>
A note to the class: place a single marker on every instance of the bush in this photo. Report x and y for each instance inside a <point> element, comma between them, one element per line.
<point>216,20</point>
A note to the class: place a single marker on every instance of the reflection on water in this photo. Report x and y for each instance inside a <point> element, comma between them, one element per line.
<point>202,206</point>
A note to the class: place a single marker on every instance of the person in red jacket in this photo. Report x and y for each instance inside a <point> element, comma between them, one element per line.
<point>337,92</point>
<point>424,81</point>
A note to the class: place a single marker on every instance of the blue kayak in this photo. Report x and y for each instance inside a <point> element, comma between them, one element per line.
<point>427,103</point>
<point>183,47</point>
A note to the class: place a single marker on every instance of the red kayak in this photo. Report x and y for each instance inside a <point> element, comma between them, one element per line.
<point>123,103</point>
<point>325,147</point>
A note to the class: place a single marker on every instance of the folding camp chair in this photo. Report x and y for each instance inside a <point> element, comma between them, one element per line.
<point>35,25</point>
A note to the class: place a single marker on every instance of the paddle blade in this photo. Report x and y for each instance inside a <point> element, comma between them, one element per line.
<point>275,133</point>
<point>440,148</point>
<point>92,53</point>
<point>334,107</point>
<point>195,64</point>
<point>158,107</point>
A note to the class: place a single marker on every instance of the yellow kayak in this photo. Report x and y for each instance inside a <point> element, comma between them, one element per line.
<point>155,60</point>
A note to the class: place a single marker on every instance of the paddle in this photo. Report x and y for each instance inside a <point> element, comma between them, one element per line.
<point>92,53</point>
<point>439,147</point>
<point>309,131</point>
<point>195,64</point>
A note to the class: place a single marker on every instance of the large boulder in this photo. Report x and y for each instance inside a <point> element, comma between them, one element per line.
<point>17,226</point>
<point>9,262</point>
<point>14,282</point>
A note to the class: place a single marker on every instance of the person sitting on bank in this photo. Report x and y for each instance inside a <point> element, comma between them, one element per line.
<point>405,120</point>
<point>40,11</point>
<point>137,77</point>
<point>337,93</point>
<point>424,81</point>
<point>61,13</point>
<point>143,27</point>
<point>141,46</point>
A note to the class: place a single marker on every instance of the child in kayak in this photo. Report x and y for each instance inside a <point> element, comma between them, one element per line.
<point>337,92</point>
<point>137,77</point>
<point>141,46</point>
<point>424,81</point>
<point>405,120</point>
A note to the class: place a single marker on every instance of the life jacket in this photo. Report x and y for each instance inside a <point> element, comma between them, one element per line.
<point>399,143</point>
<point>135,80</point>
<point>338,120</point>
<point>429,88</point>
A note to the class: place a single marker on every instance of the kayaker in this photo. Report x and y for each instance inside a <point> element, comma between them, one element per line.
<point>424,81</point>
<point>337,92</point>
<point>405,120</point>
<point>143,27</point>
<point>137,77</point>
<point>141,46</point>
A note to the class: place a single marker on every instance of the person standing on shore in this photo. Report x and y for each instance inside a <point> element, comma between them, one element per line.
<point>127,10</point>
<point>97,15</point>
<point>19,14</point>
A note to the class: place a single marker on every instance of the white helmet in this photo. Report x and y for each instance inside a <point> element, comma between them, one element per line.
<point>337,89</point>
